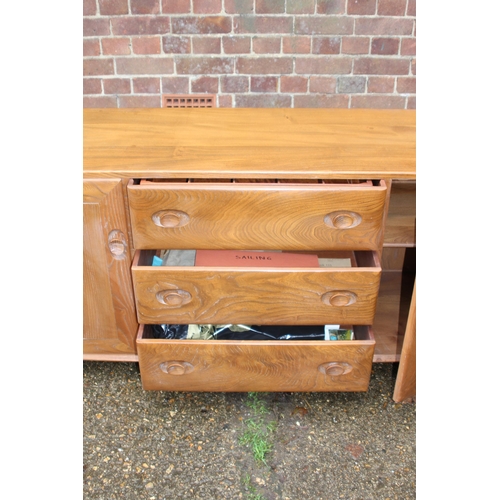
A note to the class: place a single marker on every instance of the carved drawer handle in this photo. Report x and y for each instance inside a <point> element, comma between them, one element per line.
<point>339,298</point>
<point>173,298</point>
<point>170,218</point>
<point>335,369</point>
<point>117,244</point>
<point>176,367</point>
<point>342,220</point>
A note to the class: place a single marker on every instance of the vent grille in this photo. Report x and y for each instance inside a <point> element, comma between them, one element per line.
<point>188,101</point>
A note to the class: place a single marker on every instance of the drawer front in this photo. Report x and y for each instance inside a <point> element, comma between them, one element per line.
<point>232,366</point>
<point>256,216</point>
<point>298,296</point>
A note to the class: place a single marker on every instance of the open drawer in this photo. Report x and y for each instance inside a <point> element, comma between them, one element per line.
<point>232,365</point>
<point>238,214</point>
<point>257,295</point>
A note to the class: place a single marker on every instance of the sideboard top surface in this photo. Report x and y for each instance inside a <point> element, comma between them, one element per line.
<point>243,142</point>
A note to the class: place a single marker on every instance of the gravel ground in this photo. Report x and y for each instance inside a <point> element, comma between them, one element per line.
<point>169,445</point>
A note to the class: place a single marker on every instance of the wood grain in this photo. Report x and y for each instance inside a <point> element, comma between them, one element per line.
<point>262,143</point>
<point>109,323</point>
<point>254,295</point>
<point>254,365</point>
<point>406,381</point>
<point>256,216</point>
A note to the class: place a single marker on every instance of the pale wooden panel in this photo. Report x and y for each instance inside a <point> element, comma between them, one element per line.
<point>406,381</point>
<point>256,216</point>
<point>294,143</point>
<point>254,296</point>
<point>98,314</point>
<point>109,324</point>
<point>400,227</point>
<point>254,365</point>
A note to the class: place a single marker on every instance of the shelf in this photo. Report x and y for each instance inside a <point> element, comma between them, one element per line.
<point>400,227</point>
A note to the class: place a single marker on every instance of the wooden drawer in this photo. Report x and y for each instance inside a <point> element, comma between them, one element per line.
<point>223,365</point>
<point>257,215</point>
<point>252,295</point>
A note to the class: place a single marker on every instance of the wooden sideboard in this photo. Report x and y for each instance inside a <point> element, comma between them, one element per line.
<point>325,181</point>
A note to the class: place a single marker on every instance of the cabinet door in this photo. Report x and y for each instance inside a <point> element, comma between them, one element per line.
<point>109,320</point>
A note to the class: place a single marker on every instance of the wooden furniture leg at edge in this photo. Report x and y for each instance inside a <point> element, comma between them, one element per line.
<point>406,381</point>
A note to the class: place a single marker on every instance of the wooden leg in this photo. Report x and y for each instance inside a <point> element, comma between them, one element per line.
<point>406,381</point>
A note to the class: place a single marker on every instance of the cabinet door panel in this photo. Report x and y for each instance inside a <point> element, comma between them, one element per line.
<point>109,322</point>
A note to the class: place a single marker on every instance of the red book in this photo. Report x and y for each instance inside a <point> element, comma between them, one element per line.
<point>252,258</point>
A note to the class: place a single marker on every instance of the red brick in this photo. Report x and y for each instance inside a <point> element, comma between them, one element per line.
<point>142,101</point>
<point>408,46</point>
<point>100,102</point>
<point>264,65</point>
<point>194,25</point>
<point>384,26</point>
<point>296,44</point>
<point>378,101</point>
<point>381,84</point>
<point>321,101</point>
<point>208,84</point>
<point>206,45</point>
<point>116,86</point>
<point>141,25</point>
<point>391,7</point>
<point>176,6</point>
<point>331,6</point>
<point>175,85</point>
<point>176,44</point>
<point>270,6</point>
<point>225,101</point>
<point>234,84</point>
<point>146,85</point>
<point>146,45</point>
<point>328,25</point>
<point>95,67</point>
<point>204,65</point>
<point>263,24</point>
<point>263,101</point>
<point>326,45</point>
<point>407,85</point>
<point>145,6</point>
<point>266,45</point>
<point>300,7</point>
<point>96,27</point>
<point>236,44</point>
<point>361,7</point>
<point>293,84</point>
<point>385,46</point>
<point>413,66</point>
<point>323,85</point>
<point>113,7</point>
<point>380,66</point>
<point>144,65</point>
<point>91,47</point>
<point>207,6</point>
<point>92,86</point>
<point>264,84</point>
<point>355,45</point>
<point>411,102</point>
<point>89,7</point>
<point>323,65</point>
<point>238,6</point>
<point>115,46</point>
<point>412,8</point>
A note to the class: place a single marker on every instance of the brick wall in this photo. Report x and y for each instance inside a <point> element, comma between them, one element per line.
<point>251,53</point>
